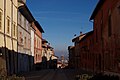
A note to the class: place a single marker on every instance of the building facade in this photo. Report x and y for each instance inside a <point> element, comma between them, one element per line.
<point>81,53</point>
<point>38,42</point>
<point>71,50</point>
<point>25,19</point>
<point>86,52</point>
<point>99,50</point>
<point>18,34</point>
<point>76,41</point>
<point>106,35</point>
<point>8,35</point>
<point>32,46</point>
<point>48,56</point>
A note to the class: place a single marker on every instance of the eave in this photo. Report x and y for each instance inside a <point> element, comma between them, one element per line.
<point>97,8</point>
<point>39,26</point>
<point>26,13</point>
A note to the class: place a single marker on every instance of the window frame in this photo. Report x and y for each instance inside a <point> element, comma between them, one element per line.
<point>14,29</point>
<point>8,25</point>
<point>25,41</point>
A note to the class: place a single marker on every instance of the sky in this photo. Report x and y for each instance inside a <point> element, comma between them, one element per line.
<point>62,19</point>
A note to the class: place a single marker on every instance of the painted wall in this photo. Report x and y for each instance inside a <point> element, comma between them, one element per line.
<point>7,39</point>
<point>37,45</point>
<point>32,42</point>
<point>24,43</point>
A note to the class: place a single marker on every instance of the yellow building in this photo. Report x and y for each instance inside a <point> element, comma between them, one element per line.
<point>8,36</point>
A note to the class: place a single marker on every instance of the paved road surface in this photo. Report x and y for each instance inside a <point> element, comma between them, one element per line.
<point>48,74</point>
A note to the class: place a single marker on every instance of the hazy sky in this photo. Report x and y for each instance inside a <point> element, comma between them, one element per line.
<point>61,19</point>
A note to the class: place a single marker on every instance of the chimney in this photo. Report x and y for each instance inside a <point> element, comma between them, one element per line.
<point>80,33</point>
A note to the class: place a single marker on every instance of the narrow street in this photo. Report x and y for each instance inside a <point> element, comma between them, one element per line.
<point>49,74</point>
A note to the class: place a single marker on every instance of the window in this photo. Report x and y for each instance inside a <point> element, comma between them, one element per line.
<point>109,24</point>
<point>36,57</point>
<point>25,41</point>
<point>24,23</point>
<point>119,9</point>
<point>37,43</point>
<point>0,20</point>
<point>101,25</point>
<point>14,29</point>
<point>96,36</point>
<point>29,43</point>
<point>8,25</point>
<point>21,39</point>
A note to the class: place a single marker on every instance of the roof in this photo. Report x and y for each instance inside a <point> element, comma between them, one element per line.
<point>87,34</point>
<point>100,3</point>
<point>48,46</point>
<point>54,57</point>
<point>39,26</point>
<point>43,40</point>
<point>81,37</point>
<point>71,47</point>
<point>26,13</point>
<point>78,38</point>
